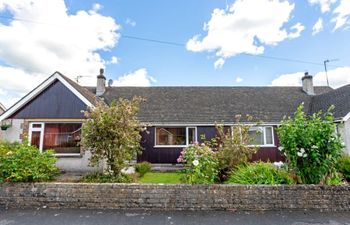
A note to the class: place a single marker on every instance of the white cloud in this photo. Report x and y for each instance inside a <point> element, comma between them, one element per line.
<point>139,77</point>
<point>96,7</point>
<point>48,38</point>
<point>219,63</point>
<point>113,60</point>
<point>342,14</point>
<point>318,27</point>
<point>297,28</point>
<point>239,80</point>
<point>15,83</point>
<point>246,28</point>
<point>130,22</point>
<point>324,4</point>
<point>337,77</point>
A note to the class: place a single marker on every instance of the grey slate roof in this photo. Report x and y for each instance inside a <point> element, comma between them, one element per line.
<point>339,97</point>
<point>202,105</point>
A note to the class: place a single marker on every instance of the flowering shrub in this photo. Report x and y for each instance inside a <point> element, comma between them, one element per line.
<point>233,147</point>
<point>112,133</point>
<point>201,164</point>
<point>310,145</point>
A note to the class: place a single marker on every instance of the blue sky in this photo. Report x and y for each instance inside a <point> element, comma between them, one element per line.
<point>288,34</point>
<point>179,21</point>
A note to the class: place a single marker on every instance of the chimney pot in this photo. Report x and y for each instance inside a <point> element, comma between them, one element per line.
<point>307,82</point>
<point>101,83</point>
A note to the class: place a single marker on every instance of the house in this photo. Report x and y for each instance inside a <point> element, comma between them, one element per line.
<point>50,116</point>
<point>2,108</point>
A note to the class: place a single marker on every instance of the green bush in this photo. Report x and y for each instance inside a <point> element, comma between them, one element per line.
<point>106,178</point>
<point>143,168</point>
<point>24,163</point>
<point>201,164</point>
<point>259,173</point>
<point>310,145</point>
<point>343,166</point>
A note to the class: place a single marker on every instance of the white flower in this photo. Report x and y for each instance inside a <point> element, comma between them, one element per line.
<point>195,162</point>
<point>314,147</point>
<point>278,164</point>
<point>299,154</point>
<point>280,148</point>
<point>305,155</point>
<point>302,150</point>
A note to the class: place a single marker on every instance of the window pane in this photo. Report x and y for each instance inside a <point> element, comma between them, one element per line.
<point>171,136</point>
<point>268,135</point>
<point>191,135</point>
<point>62,137</point>
<point>36,125</point>
<point>35,139</point>
<point>257,136</point>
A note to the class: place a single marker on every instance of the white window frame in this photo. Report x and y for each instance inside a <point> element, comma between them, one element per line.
<point>42,132</point>
<point>264,133</point>
<point>174,146</point>
<point>37,129</point>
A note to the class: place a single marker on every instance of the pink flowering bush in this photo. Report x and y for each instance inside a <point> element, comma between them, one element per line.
<point>201,165</point>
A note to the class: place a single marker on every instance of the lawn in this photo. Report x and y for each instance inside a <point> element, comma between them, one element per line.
<point>161,178</point>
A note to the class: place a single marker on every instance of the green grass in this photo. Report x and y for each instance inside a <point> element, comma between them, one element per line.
<point>161,178</point>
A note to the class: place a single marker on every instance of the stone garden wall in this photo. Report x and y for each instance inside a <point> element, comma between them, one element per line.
<point>175,197</point>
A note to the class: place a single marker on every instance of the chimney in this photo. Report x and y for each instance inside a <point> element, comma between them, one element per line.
<point>101,83</point>
<point>308,86</point>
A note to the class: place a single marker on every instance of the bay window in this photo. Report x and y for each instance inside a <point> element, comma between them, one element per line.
<point>175,136</point>
<point>64,138</point>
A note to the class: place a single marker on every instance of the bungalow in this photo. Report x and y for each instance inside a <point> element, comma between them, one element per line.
<point>2,108</point>
<point>50,116</point>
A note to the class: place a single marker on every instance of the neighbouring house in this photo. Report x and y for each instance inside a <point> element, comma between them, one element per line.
<point>2,108</point>
<point>51,117</point>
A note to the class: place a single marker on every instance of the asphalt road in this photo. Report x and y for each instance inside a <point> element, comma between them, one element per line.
<point>119,217</point>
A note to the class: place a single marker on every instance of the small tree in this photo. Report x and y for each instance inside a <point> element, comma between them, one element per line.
<point>233,146</point>
<point>310,145</point>
<point>112,133</point>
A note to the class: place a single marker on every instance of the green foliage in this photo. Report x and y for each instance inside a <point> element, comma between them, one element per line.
<point>259,173</point>
<point>106,178</point>
<point>112,133</point>
<point>162,178</point>
<point>232,146</point>
<point>143,168</point>
<point>24,163</point>
<point>310,145</point>
<point>201,164</point>
<point>343,166</point>
<point>334,179</point>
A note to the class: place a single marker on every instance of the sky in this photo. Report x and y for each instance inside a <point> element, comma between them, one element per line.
<point>173,43</point>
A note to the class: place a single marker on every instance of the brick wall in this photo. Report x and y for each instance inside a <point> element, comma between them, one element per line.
<point>174,197</point>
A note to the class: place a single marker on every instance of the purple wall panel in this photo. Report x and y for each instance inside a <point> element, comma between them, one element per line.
<point>170,155</point>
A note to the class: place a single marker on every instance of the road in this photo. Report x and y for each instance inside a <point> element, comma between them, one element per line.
<point>119,217</point>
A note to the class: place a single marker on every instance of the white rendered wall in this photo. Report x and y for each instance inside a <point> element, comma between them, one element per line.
<point>14,132</point>
<point>76,164</point>
<point>344,130</point>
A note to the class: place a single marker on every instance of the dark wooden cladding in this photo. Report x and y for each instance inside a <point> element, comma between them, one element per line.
<point>170,155</point>
<point>156,155</point>
<point>56,102</point>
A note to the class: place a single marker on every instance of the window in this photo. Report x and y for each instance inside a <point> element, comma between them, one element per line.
<point>64,138</point>
<point>261,136</point>
<point>175,136</point>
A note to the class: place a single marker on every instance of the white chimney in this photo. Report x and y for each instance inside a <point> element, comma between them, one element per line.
<point>101,83</point>
<point>308,86</point>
